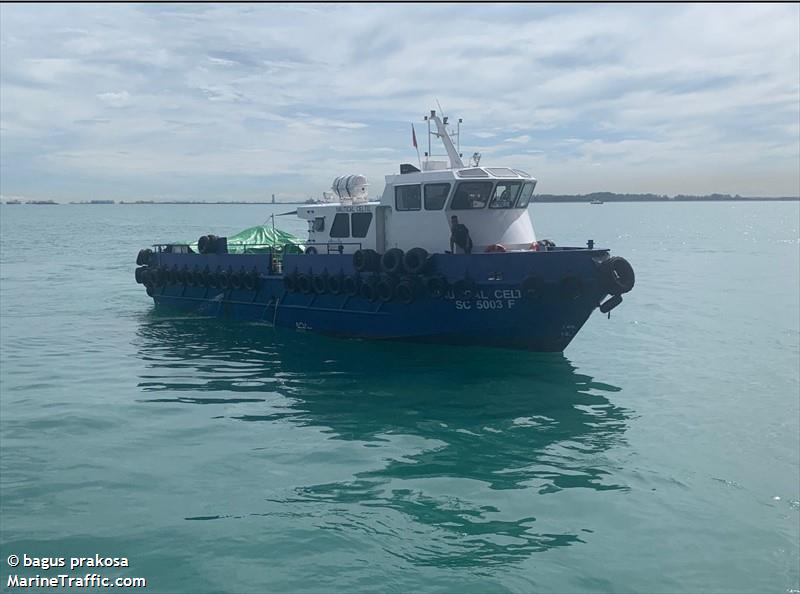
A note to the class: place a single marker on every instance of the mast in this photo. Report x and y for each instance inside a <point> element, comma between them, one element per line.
<point>452,153</point>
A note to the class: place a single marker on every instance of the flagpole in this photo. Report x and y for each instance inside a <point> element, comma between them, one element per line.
<point>414,139</point>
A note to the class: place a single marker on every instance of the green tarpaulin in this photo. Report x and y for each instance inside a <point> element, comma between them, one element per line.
<point>260,239</point>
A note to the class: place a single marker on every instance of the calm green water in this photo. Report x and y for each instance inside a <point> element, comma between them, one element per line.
<point>660,453</point>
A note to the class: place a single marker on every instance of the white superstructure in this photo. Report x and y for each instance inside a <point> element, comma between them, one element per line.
<point>416,207</point>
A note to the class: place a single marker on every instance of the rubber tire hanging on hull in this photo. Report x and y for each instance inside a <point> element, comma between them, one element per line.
<point>366,260</point>
<point>367,290</point>
<point>290,283</point>
<point>335,283</point>
<point>138,275</point>
<point>319,282</point>
<point>385,289</point>
<point>350,285</point>
<point>617,276</point>
<point>416,260</point>
<point>436,286</point>
<point>252,280</point>
<point>405,292</point>
<point>304,284</point>
<point>392,261</point>
<point>144,256</point>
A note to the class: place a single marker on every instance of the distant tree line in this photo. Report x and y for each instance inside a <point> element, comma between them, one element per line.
<point>613,197</point>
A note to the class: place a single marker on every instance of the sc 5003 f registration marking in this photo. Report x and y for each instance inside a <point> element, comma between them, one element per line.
<point>484,304</point>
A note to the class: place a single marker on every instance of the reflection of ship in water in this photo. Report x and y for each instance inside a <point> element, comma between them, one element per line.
<point>510,425</point>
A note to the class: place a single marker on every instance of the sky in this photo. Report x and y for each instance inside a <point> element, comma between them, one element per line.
<point>240,101</point>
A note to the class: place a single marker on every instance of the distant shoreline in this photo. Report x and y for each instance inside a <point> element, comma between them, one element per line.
<point>597,197</point>
<point>626,198</point>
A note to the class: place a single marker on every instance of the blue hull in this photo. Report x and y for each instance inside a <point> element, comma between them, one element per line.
<point>487,301</point>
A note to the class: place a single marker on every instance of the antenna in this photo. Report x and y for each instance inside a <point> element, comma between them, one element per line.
<point>428,154</point>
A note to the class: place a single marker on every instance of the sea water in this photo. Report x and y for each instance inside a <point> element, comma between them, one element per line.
<point>659,453</point>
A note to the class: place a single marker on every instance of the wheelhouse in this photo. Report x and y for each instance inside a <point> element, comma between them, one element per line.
<point>416,207</point>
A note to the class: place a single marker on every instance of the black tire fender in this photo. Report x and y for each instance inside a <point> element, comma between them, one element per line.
<point>237,282</point>
<point>304,283</point>
<point>367,290</point>
<point>385,289</point>
<point>415,260</point>
<point>251,280</point>
<point>392,261</point>
<point>290,283</point>
<point>405,291</point>
<point>436,286</point>
<point>617,276</point>
<point>350,285</point>
<point>144,256</point>
<point>224,279</point>
<point>320,283</point>
<point>366,260</point>
<point>335,283</point>
<point>610,303</point>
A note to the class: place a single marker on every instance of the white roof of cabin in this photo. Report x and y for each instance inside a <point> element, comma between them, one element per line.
<point>467,173</point>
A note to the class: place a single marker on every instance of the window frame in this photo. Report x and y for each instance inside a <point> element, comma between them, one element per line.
<point>396,204</point>
<point>522,192</point>
<point>353,227</point>
<point>344,217</point>
<point>508,183</point>
<point>446,194</point>
<point>463,183</point>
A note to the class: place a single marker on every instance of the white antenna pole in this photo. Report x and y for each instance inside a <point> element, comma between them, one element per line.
<point>455,159</point>
<point>429,138</point>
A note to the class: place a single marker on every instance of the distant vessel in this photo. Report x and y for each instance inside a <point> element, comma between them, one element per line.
<point>382,268</point>
<point>596,201</point>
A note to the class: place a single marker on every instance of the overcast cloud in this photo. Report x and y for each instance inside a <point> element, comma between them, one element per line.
<point>240,101</point>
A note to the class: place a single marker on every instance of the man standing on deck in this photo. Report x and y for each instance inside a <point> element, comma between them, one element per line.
<point>459,237</point>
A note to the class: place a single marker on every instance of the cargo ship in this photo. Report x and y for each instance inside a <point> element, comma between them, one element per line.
<point>446,254</point>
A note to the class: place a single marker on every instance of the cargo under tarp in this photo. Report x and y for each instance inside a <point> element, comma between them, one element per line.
<point>260,239</point>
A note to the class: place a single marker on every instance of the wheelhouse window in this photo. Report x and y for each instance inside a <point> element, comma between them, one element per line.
<point>474,172</point>
<point>341,225</point>
<point>361,223</point>
<point>436,195</point>
<point>501,171</point>
<point>318,224</point>
<point>505,194</point>
<point>525,196</point>
<point>407,197</point>
<point>471,195</point>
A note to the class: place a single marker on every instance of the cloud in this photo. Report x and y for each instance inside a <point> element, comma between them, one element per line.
<point>282,98</point>
<point>120,99</point>
<point>522,139</point>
